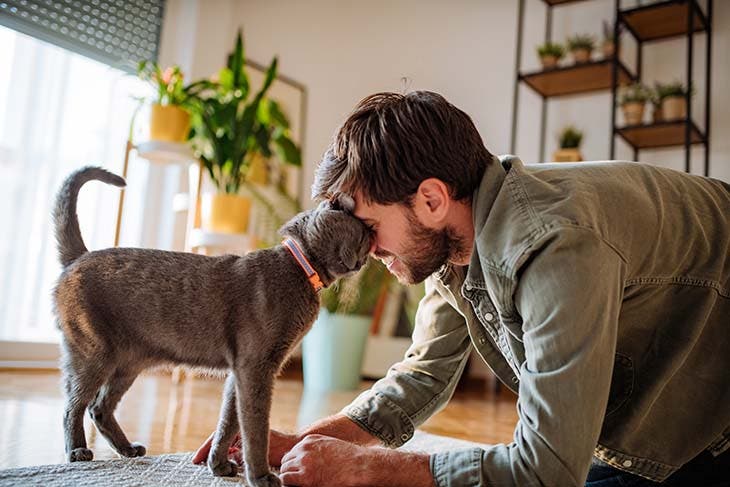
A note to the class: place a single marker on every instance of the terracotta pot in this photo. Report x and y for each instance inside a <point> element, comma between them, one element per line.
<point>169,123</point>
<point>568,155</point>
<point>549,62</point>
<point>581,55</point>
<point>657,115</point>
<point>225,213</point>
<point>609,48</point>
<point>674,108</point>
<point>633,113</point>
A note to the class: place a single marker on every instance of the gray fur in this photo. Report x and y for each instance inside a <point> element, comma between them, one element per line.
<point>123,310</point>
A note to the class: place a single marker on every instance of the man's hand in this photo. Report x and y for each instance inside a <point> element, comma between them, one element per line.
<point>279,444</point>
<point>323,461</point>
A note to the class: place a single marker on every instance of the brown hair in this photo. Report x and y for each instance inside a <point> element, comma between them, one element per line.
<point>391,142</point>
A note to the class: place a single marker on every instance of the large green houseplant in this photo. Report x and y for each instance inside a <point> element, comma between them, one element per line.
<point>232,128</point>
<point>333,349</point>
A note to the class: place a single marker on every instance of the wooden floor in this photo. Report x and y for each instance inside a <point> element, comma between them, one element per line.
<point>171,418</point>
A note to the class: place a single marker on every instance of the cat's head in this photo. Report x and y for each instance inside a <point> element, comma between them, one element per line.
<point>332,237</point>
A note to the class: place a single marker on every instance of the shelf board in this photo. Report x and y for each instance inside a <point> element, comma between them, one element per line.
<point>576,78</point>
<point>561,2</point>
<point>165,152</point>
<point>662,20</point>
<point>659,135</point>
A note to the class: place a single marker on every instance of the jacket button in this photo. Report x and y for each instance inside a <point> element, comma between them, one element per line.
<point>404,437</point>
<point>482,340</point>
<point>627,463</point>
<point>489,316</point>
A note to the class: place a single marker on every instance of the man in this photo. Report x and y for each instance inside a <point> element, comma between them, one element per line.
<point>599,292</point>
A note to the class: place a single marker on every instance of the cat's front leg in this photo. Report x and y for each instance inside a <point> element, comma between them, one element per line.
<point>253,393</point>
<point>226,430</point>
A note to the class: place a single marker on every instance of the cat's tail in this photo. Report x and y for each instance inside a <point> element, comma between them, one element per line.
<point>68,235</point>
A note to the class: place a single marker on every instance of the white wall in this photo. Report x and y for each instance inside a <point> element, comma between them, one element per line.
<point>344,50</point>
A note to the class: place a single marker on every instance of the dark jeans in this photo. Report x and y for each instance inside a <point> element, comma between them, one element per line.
<point>703,471</point>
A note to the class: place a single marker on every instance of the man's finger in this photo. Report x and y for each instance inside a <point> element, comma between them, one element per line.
<point>202,454</point>
<point>294,477</point>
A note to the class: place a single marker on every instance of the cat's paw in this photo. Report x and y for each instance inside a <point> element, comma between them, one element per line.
<point>134,450</point>
<point>80,455</point>
<point>268,480</point>
<point>226,468</point>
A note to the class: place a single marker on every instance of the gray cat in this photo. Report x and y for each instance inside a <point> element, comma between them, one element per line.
<point>123,310</point>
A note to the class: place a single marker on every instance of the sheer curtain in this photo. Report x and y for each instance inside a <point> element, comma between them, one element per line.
<point>58,111</point>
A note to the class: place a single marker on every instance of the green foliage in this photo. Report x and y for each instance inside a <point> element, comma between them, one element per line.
<point>231,124</point>
<point>551,49</point>
<point>666,90</point>
<point>635,93</point>
<point>357,294</point>
<point>570,138</point>
<point>581,41</point>
<point>168,83</point>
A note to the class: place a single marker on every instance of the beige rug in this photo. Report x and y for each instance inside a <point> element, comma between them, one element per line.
<point>164,470</point>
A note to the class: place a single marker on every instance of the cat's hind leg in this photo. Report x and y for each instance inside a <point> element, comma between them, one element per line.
<point>82,377</point>
<point>102,409</point>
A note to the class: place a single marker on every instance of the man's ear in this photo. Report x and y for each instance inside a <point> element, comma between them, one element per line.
<point>432,201</point>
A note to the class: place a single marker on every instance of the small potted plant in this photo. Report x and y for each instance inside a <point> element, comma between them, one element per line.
<point>550,53</point>
<point>656,103</point>
<point>672,98</point>
<point>570,139</point>
<point>581,46</point>
<point>633,101</point>
<point>608,44</point>
<point>234,127</point>
<point>333,350</point>
<point>169,117</point>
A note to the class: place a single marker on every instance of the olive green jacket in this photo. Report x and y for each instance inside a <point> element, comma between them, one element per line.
<point>600,293</point>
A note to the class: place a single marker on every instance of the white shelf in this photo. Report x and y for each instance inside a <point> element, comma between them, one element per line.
<point>240,242</point>
<point>165,152</point>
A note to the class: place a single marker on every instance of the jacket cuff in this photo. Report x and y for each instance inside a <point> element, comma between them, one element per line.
<point>460,467</point>
<point>381,417</point>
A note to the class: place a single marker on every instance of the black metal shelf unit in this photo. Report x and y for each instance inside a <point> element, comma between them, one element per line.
<point>657,21</point>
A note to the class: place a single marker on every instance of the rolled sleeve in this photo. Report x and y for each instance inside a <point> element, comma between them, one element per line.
<point>424,381</point>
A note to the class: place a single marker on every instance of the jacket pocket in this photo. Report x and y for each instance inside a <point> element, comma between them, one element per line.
<point>622,383</point>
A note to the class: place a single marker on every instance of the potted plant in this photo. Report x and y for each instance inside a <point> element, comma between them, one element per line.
<point>672,97</point>
<point>332,351</point>
<point>656,103</point>
<point>570,139</point>
<point>608,44</point>
<point>233,128</point>
<point>581,46</point>
<point>550,53</point>
<point>633,101</point>
<point>169,117</point>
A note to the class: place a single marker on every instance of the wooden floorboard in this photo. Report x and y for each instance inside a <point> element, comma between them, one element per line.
<point>171,418</point>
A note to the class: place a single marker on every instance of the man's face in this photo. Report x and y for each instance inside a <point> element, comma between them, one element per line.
<point>411,250</point>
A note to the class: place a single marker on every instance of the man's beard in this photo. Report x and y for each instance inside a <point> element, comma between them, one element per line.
<point>428,250</point>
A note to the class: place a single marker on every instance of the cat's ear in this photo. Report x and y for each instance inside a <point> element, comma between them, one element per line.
<point>295,226</point>
<point>344,202</point>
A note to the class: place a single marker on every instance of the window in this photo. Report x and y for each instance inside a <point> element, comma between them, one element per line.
<point>58,111</point>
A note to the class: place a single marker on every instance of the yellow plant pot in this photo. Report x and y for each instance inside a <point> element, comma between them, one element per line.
<point>633,113</point>
<point>568,155</point>
<point>225,213</point>
<point>674,108</point>
<point>169,123</point>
